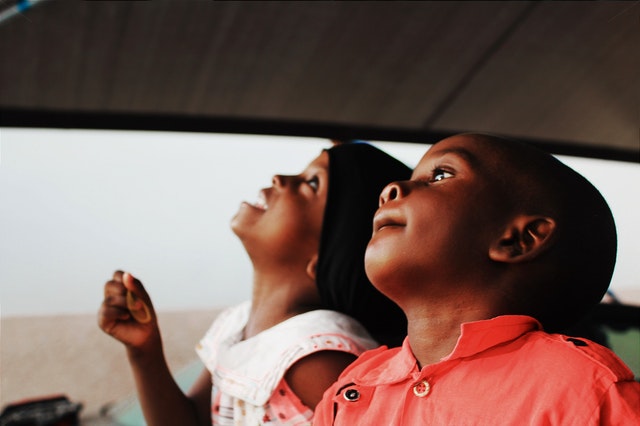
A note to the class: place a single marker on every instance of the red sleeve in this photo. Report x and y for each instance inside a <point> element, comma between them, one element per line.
<point>620,405</point>
<point>323,414</point>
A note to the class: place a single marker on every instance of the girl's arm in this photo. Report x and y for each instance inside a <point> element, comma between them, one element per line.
<point>161,399</point>
<point>312,375</point>
<point>128,316</point>
<point>200,394</point>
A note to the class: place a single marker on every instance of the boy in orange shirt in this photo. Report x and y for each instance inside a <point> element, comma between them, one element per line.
<point>490,247</point>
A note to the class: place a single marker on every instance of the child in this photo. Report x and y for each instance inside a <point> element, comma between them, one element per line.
<point>489,242</point>
<point>270,360</point>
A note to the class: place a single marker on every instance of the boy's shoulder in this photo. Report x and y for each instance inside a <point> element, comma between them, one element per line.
<point>561,350</point>
<point>381,365</point>
<point>553,354</point>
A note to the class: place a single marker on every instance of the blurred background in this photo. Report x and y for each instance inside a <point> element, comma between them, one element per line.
<point>78,204</point>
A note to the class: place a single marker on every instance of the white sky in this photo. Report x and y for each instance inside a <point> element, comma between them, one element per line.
<point>75,205</point>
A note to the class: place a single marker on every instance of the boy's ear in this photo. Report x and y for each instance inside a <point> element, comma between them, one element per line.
<point>311,267</point>
<point>525,237</point>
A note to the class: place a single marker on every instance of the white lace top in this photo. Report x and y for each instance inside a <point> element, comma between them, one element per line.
<point>247,375</point>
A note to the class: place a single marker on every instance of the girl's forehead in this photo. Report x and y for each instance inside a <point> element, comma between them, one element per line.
<point>320,162</point>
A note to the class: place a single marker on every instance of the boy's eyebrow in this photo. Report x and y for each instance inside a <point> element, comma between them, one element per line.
<point>465,154</point>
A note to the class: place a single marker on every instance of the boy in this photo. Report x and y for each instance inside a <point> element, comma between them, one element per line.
<point>489,242</point>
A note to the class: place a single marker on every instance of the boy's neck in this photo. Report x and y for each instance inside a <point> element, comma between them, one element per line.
<point>433,333</point>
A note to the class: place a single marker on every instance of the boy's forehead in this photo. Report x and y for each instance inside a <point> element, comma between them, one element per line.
<point>466,148</point>
<point>476,150</point>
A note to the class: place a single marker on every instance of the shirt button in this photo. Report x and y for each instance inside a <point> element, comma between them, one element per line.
<point>351,395</point>
<point>421,389</point>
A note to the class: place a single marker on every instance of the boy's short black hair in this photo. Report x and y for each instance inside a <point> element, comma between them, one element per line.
<point>583,255</point>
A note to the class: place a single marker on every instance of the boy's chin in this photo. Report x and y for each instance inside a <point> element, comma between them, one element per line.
<point>375,267</point>
<point>382,269</point>
<point>377,254</point>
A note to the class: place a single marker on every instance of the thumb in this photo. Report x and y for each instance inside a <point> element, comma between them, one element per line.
<point>129,281</point>
<point>135,286</point>
<point>138,301</point>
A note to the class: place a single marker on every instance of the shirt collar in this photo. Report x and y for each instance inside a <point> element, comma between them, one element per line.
<point>478,336</point>
<point>475,337</point>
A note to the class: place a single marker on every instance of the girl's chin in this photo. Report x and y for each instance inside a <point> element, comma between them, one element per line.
<point>242,223</point>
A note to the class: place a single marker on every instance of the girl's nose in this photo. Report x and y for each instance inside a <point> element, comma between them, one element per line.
<point>286,181</point>
<point>391,192</point>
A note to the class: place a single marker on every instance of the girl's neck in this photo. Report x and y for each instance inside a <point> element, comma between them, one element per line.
<point>278,298</point>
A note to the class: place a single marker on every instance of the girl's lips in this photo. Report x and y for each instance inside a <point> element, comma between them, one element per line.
<point>261,202</point>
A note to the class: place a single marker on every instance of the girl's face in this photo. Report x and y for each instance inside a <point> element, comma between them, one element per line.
<point>284,224</point>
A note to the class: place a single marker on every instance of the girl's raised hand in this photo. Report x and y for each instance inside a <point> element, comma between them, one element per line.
<point>127,314</point>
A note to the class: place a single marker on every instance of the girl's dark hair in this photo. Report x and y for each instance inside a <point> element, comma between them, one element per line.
<point>357,174</point>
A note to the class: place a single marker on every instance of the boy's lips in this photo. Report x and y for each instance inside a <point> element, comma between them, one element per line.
<point>387,219</point>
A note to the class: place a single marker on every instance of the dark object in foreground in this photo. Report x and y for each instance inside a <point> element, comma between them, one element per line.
<point>54,410</point>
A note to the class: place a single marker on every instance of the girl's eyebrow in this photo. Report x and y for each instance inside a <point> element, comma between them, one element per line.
<point>316,170</point>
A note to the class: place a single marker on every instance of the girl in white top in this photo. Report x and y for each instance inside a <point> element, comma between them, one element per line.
<point>268,361</point>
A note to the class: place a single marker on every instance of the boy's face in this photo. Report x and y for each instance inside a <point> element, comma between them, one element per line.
<point>437,227</point>
<point>286,221</point>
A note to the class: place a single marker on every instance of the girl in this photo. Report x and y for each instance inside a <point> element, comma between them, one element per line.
<point>312,312</point>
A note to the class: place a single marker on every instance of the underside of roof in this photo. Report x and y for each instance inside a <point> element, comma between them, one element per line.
<point>563,75</point>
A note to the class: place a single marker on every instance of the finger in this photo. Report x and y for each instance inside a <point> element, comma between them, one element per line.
<point>114,288</point>
<point>116,300</point>
<point>109,317</point>
<point>116,313</point>
<point>117,275</point>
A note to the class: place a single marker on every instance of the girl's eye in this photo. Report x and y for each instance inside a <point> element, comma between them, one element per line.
<point>314,183</point>
<point>440,174</point>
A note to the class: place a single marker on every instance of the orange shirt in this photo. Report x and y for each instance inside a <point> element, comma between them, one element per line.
<point>503,371</point>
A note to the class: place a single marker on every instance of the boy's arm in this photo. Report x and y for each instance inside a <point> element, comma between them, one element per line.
<point>325,411</point>
<point>621,404</point>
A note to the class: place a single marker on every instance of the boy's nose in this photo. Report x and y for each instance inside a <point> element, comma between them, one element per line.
<point>390,192</point>
<point>277,180</point>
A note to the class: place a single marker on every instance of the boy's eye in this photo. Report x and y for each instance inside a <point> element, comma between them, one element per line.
<point>440,174</point>
<point>314,183</point>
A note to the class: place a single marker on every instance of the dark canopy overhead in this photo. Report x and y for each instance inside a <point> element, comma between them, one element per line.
<point>561,74</point>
